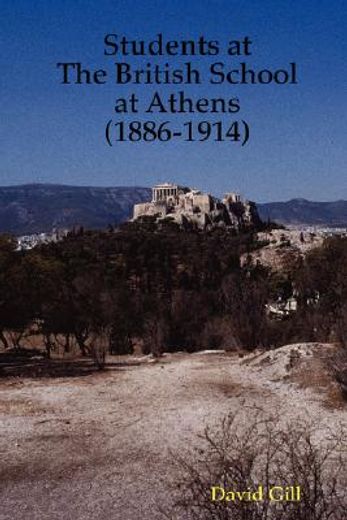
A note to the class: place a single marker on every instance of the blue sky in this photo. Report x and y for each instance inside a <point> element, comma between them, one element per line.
<point>54,133</point>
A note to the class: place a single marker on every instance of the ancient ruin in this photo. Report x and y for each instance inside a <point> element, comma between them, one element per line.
<point>192,208</point>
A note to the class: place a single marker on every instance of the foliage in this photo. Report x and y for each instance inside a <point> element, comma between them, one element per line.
<point>242,454</point>
<point>172,289</point>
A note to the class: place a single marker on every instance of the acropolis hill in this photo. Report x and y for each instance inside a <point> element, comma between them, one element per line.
<point>191,208</point>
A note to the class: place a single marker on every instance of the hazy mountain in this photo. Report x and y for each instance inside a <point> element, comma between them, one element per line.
<point>40,207</point>
<point>36,208</point>
<point>302,211</point>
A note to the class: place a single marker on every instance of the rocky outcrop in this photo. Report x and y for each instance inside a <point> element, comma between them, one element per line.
<point>192,208</point>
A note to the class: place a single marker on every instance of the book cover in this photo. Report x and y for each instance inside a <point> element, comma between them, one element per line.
<point>173,252</point>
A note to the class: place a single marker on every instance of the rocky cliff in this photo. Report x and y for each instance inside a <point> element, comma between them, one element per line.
<point>191,208</point>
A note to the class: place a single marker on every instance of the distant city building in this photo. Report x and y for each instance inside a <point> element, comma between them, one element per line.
<point>26,242</point>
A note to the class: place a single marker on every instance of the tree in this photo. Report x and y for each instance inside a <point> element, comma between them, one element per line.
<point>244,295</point>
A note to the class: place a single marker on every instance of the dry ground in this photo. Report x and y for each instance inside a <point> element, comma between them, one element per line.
<point>97,446</point>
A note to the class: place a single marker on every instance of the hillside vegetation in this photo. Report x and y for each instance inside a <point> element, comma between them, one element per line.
<point>166,289</point>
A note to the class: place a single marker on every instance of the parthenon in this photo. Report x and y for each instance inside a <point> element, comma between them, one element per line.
<point>162,192</point>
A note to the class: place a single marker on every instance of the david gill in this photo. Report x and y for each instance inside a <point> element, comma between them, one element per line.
<point>273,494</point>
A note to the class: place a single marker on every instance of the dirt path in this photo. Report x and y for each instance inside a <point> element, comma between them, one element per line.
<point>97,447</point>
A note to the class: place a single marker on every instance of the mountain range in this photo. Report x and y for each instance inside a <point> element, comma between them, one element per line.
<point>35,208</point>
<point>302,211</point>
